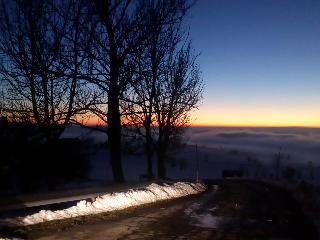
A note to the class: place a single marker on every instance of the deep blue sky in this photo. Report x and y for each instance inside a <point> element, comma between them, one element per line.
<point>260,61</point>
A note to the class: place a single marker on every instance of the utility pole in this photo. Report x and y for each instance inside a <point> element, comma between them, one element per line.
<point>197,164</point>
<point>278,158</point>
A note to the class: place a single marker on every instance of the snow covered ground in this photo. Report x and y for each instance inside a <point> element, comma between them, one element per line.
<point>114,201</point>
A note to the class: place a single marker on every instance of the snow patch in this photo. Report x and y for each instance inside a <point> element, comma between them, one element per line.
<point>204,220</point>
<point>208,221</point>
<point>114,201</point>
<point>204,217</point>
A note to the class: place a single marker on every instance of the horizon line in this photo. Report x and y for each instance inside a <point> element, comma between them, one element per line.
<point>253,126</point>
<point>236,126</point>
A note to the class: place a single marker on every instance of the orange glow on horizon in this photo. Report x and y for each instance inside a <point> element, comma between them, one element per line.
<point>247,125</point>
<point>257,117</point>
<point>252,116</point>
<point>214,124</point>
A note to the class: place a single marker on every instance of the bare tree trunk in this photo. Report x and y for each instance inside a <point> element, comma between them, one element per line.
<point>114,127</point>
<point>149,151</point>
<point>113,114</point>
<point>162,174</point>
<point>161,154</point>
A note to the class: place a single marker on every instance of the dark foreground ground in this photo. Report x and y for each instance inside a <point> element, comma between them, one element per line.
<point>238,209</point>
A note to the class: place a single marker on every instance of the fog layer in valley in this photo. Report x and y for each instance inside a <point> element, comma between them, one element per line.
<point>302,144</point>
<point>251,150</point>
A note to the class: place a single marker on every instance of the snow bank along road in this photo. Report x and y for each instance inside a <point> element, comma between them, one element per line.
<point>62,196</point>
<point>112,201</point>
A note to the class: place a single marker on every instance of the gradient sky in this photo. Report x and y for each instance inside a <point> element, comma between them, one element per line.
<point>260,61</point>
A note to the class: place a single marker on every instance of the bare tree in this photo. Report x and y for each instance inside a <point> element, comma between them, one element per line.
<point>127,62</point>
<point>167,84</point>
<point>40,45</point>
<point>178,94</point>
<point>76,64</point>
<point>118,35</point>
<point>163,28</point>
<point>178,91</point>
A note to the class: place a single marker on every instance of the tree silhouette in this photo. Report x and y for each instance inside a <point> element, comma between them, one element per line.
<point>127,62</point>
<point>178,94</point>
<point>163,28</point>
<point>41,62</point>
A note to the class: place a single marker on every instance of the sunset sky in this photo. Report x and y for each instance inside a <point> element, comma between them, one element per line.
<point>260,61</point>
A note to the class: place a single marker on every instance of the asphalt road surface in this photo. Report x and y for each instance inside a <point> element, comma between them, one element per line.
<point>237,210</point>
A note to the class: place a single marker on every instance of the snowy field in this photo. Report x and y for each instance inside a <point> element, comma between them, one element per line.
<point>251,150</point>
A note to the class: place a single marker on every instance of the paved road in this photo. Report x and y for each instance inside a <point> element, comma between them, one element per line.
<point>238,210</point>
<point>162,221</point>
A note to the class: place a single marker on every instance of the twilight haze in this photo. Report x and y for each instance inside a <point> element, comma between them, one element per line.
<point>260,62</point>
